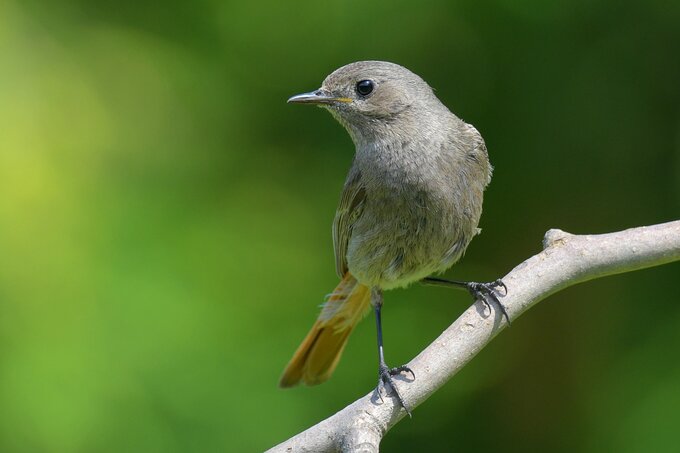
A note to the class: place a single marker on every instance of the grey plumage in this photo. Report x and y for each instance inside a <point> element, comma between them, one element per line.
<point>413,197</point>
<point>409,208</point>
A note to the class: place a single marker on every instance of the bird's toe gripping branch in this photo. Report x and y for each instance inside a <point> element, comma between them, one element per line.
<point>486,292</point>
<point>385,378</point>
<point>490,292</point>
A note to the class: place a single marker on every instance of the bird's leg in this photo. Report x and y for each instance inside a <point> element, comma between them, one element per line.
<point>385,373</point>
<point>486,292</point>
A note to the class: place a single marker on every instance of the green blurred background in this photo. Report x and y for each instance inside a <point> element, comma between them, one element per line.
<point>165,220</point>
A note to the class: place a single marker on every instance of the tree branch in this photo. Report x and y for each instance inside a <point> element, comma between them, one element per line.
<point>566,260</point>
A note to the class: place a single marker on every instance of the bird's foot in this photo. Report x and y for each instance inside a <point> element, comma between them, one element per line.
<point>490,292</point>
<point>385,378</point>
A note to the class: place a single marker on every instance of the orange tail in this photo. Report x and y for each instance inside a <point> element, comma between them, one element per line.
<point>318,355</point>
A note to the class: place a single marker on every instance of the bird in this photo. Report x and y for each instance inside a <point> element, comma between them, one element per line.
<point>410,205</point>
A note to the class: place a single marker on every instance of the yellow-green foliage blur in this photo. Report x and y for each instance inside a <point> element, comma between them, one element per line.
<point>165,220</point>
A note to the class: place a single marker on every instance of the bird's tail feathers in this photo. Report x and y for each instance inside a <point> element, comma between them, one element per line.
<point>318,355</point>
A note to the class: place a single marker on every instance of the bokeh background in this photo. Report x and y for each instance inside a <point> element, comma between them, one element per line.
<point>165,220</point>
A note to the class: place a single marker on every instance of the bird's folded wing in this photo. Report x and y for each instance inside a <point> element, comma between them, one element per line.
<point>349,210</point>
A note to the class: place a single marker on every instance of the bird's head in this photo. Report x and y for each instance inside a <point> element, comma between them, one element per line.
<point>373,98</point>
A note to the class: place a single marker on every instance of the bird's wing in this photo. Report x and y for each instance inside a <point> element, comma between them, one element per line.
<point>350,208</point>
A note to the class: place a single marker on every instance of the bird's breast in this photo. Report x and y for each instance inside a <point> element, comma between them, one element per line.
<point>418,217</point>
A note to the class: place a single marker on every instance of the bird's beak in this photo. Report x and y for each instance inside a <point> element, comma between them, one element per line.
<point>317,97</point>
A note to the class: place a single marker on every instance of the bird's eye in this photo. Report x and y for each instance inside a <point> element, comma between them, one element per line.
<point>364,87</point>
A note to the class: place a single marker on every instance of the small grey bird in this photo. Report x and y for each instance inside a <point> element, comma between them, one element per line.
<point>409,208</point>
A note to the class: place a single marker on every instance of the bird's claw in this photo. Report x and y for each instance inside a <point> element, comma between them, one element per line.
<point>490,291</point>
<point>385,378</point>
